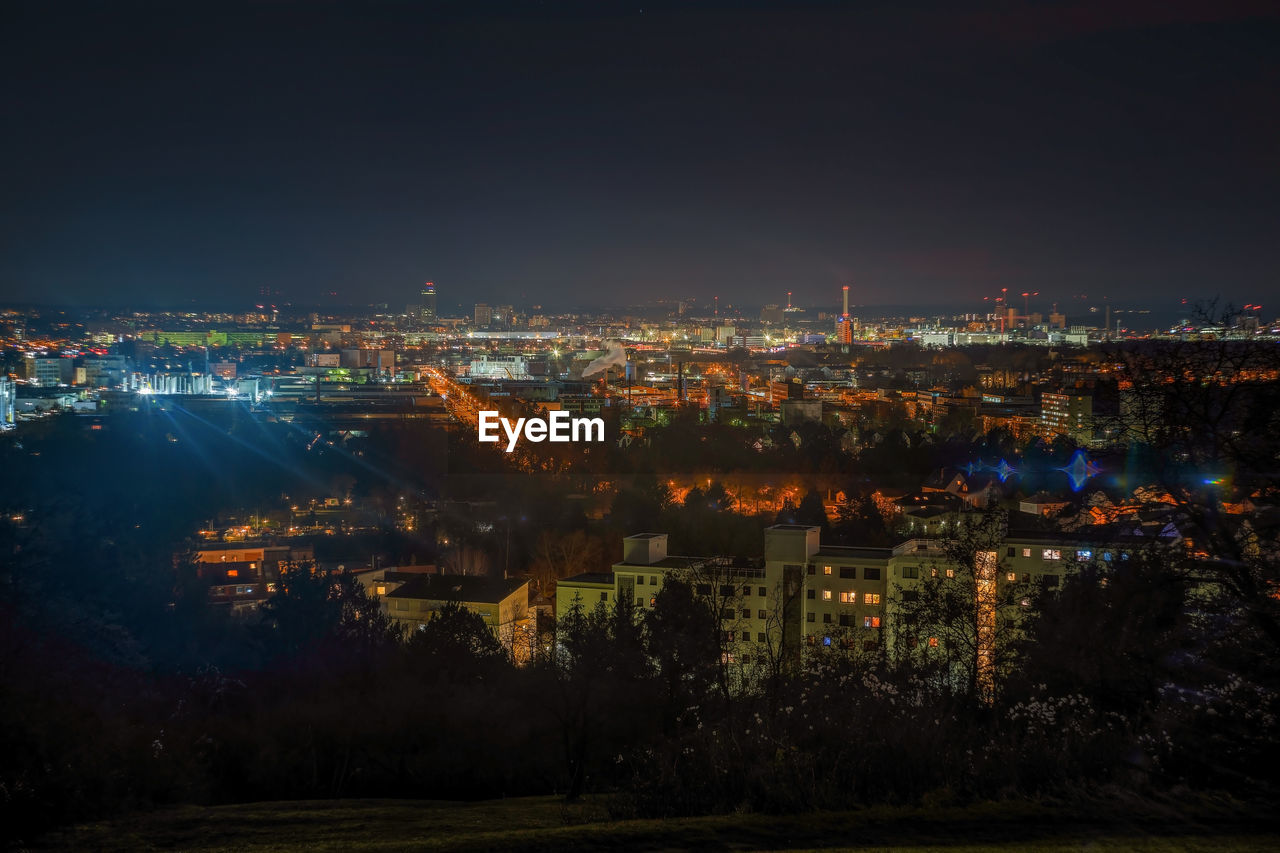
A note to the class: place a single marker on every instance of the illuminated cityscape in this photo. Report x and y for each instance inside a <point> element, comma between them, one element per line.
<point>707,425</point>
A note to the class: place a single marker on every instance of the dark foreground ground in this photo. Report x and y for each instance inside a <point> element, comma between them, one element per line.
<point>547,824</point>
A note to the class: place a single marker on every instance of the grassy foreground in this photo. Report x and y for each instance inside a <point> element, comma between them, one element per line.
<point>547,824</point>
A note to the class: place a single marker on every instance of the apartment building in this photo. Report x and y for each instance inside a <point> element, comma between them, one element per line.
<point>1067,414</point>
<point>804,593</point>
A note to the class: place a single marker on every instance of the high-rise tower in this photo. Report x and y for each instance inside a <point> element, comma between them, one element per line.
<point>428,302</point>
<point>844,326</point>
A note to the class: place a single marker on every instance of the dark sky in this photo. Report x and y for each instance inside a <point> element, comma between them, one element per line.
<point>602,153</point>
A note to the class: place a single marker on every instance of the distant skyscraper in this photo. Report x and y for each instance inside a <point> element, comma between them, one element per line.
<point>483,314</point>
<point>8,399</point>
<point>844,325</point>
<point>428,302</point>
<point>771,314</point>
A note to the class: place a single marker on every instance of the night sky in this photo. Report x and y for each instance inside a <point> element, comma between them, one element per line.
<point>607,154</point>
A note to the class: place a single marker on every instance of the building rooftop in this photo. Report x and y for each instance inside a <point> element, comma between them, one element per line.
<point>841,552</point>
<point>589,577</point>
<point>664,563</point>
<point>1102,534</point>
<point>458,588</point>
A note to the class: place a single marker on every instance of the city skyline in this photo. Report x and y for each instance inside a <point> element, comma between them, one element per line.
<point>589,155</point>
<point>745,424</point>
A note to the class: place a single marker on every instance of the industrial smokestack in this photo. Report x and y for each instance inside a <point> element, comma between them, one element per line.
<point>846,301</point>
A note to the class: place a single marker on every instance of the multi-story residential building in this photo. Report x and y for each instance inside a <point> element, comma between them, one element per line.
<point>803,593</point>
<point>1067,414</point>
<point>427,309</point>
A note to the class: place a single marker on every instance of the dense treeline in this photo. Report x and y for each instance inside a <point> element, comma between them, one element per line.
<point>1134,682</point>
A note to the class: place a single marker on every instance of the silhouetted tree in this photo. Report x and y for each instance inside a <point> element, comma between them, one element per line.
<point>455,643</point>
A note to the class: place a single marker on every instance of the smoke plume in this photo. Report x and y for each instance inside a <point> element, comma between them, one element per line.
<point>615,357</point>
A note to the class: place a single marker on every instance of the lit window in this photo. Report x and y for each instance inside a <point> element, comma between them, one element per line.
<point>871,598</point>
<point>826,641</point>
<point>826,570</point>
<point>871,622</point>
<point>1084,556</point>
<point>1051,554</point>
<point>826,595</point>
<point>382,590</point>
<point>848,598</point>
<point>933,642</point>
<point>233,573</point>
<point>951,573</point>
<point>933,573</point>
<point>1026,552</point>
<point>653,599</point>
<point>1013,576</point>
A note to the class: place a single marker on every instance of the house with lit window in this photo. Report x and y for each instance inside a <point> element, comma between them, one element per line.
<point>244,574</point>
